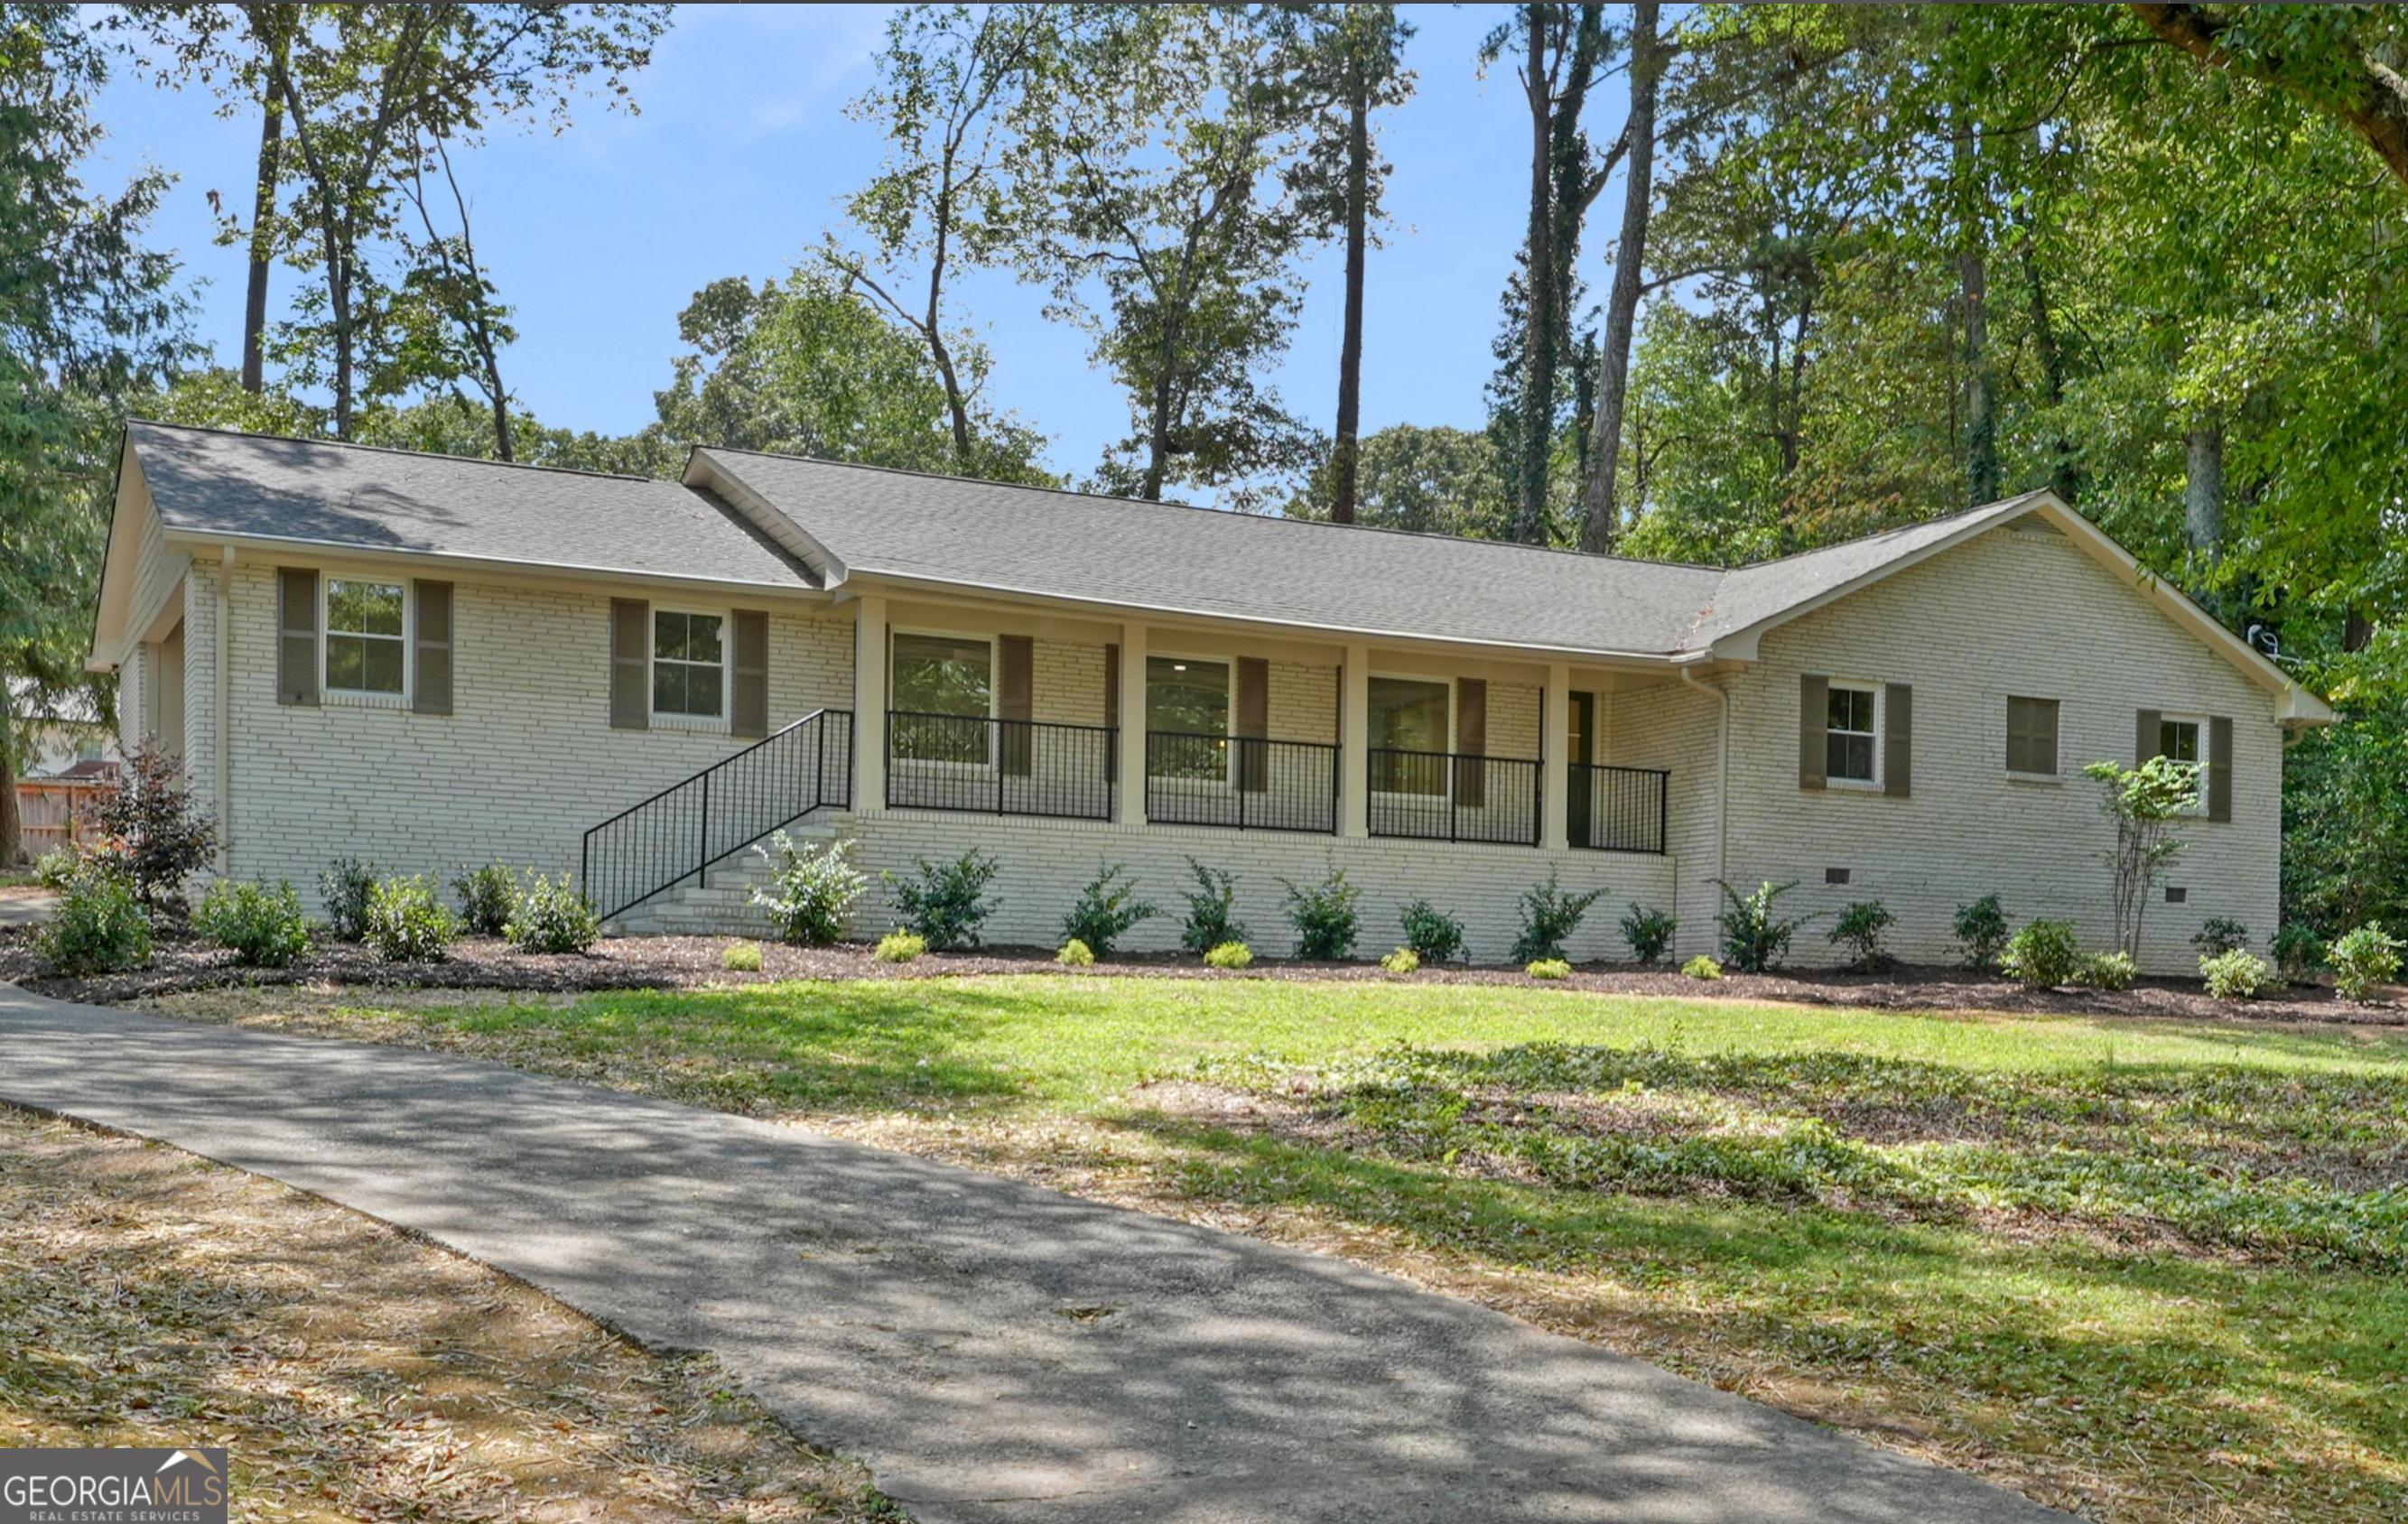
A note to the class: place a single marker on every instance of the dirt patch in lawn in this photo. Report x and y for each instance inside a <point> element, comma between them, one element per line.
<point>352,1373</point>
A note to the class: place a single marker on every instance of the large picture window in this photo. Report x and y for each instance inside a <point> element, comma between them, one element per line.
<point>689,665</point>
<point>1187,714</point>
<point>366,647</point>
<point>1849,733</point>
<point>943,692</point>
<point>1409,715</point>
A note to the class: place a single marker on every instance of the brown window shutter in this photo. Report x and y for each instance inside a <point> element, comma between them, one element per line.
<point>1813,716</point>
<point>1898,739</point>
<point>2219,769</point>
<point>1471,741</point>
<point>1253,722</point>
<point>631,663</point>
<point>2144,737</point>
<point>431,661</point>
<point>747,704</point>
<point>296,636</point>
<point>1016,700</point>
<point>1112,709</point>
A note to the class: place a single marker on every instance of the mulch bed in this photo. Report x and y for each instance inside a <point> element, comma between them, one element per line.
<point>181,964</point>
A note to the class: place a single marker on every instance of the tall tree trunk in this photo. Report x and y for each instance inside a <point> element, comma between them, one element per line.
<point>2356,630</point>
<point>1346,455</point>
<point>956,404</point>
<point>1602,511</point>
<point>262,212</point>
<point>12,843</point>
<point>1981,423</point>
<point>1539,330</point>
<point>2063,478</point>
<point>2204,488</point>
<point>1157,433</point>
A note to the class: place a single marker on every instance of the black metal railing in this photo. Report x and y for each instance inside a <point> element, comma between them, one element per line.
<point>1192,779</point>
<point>1451,796</point>
<point>1619,809</point>
<point>680,831</point>
<point>995,766</point>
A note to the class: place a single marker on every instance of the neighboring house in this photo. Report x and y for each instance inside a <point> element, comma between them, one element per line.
<point>69,751</point>
<point>426,661</point>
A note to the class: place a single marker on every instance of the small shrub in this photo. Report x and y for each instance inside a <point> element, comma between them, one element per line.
<point>164,837</point>
<point>406,924</point>
<point>263,928</point>
<point>2236,974</point>
<point>1403,960</point>
<point>946,904</point>
<point>899,947</point>
<point>1229,955</point>
<point>344,888</point>
<point>2221,934</point>
<point>2108,970</point>
<point>1981,929</point>
<point>1548,918</point>
<point>741,958</point>
<point>1431,935</point>
<point>487,897</point>
<point>1210,919</point>
<point>1549,968</point>
<point>1754,937</point>
<point>812,889</point>
<point>1859,930</point>
<point>1107,908</point>
<point>55,869</point>
<point>1322,915</point>
<point>1649,932</point>
<point>2299,952</point>
<point>98,927</point>
<point>2043,955</point>
<point>1702,967</point>
<point>2363,960</point>
<point>1076,955</point>
<point>551,915</point>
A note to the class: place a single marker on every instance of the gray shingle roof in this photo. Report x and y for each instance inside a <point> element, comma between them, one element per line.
<point>209,481</point>
<point>1172,558</point>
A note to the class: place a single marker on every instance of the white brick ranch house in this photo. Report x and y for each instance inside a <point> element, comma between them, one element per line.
<point>428,661</point>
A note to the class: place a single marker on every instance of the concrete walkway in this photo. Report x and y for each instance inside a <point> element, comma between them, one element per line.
<point>994,1351</point>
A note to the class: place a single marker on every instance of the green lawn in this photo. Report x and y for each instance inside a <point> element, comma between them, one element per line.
<point>2144,1270</point>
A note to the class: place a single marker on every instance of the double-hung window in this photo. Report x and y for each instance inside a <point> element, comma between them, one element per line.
<point>1851,752</point>
<point>1187,718</point>
<point>2031,737</point>
<point>943,688</point>
<point>689,666</point>
<point>367,644</point>
<point>2185,741</point>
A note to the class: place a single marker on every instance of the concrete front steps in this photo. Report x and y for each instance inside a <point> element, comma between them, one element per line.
<point>721,905</point>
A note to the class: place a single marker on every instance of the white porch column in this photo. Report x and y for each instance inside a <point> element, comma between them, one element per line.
<point>1556,745</point>
<point>1354,744</point>
<point>1132,737</point>
<point>869,702</point>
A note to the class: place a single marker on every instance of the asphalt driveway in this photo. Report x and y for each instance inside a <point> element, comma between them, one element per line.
<point>994,1351</point>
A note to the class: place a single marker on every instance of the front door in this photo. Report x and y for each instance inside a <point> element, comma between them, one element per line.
<point>1583,752</point>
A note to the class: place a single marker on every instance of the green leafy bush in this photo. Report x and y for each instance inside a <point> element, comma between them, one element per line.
<point>1403,960</point>
<point>812,889</point>
<point>1228,955</point>
<point>1322,915</point>
<point>1107,908</point>
<point>551,915</point>
<point>946,904</point>
<point>1702,967</point>
<point>899,947</point>
<point>488,895</point>
<point>741,958</point>
<point>2235,975</point>
<point>2043,955</point>
<point>1859,929</point>
<point>162,836</point>
<point>1981,929</point>
<point>263,928</point>
<point>1548,918</point>
<point>343,888</point>
<point>98,927</point>
<point>1649,932</point>
<point>406,924</point>
<point>1548,968</point>
<point>1430,934</point>
<point>2219,935</point>
<point>1076,955</point>
<point>2299,952</point>
<point>1210,919</point>
<point>2363,961</point>
<point>55,869</point>
<point>1754,937</point>
<point>2108,970</point>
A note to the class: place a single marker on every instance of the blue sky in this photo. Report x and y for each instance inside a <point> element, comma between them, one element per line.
<point>738,161</point>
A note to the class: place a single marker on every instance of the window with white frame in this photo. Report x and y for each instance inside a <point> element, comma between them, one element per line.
<point>1186,717</point>
<point>943,693</point>
<point>1412,728</point>
<point>368,643</point>
<point>1851,732</point>
<point>2183,740</point>
<point>689,665</point>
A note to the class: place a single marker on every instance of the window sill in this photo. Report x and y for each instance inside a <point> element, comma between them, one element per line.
<point>341,699</point>
<point>1853,786</point>
<point>707,725</point>
<point>2044,780</point>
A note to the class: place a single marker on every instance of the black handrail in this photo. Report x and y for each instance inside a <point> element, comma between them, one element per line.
<point>1620,808</point>
<point>1193,778</point>
<point>680,831</point>
<point>986,765</point>
<point>1453,796</point>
